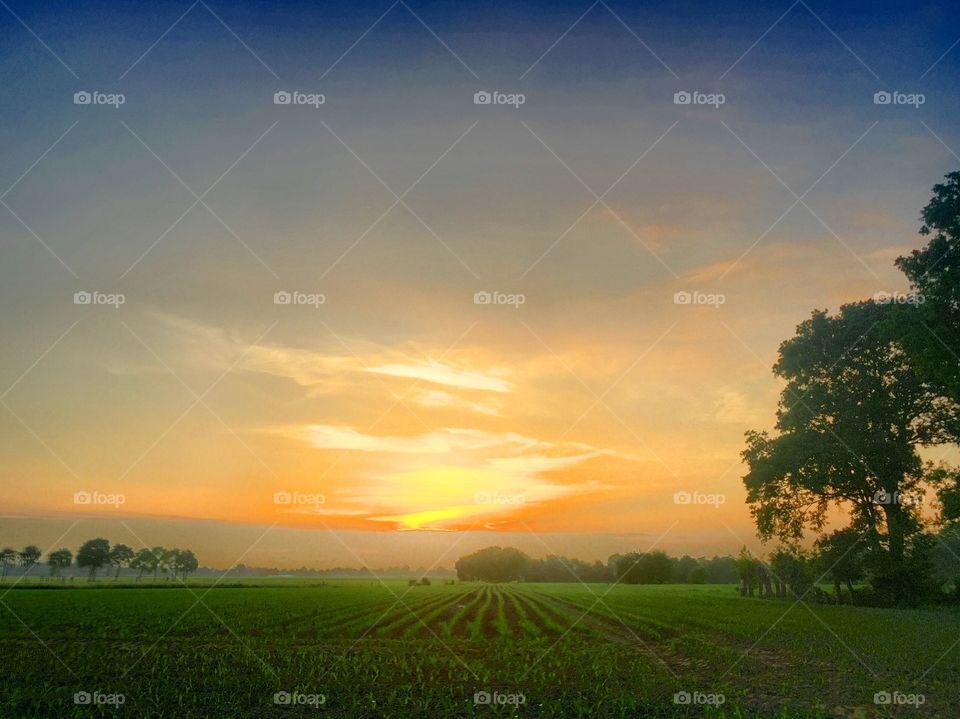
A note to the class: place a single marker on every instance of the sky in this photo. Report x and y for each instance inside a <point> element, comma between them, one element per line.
<point>399,324</point>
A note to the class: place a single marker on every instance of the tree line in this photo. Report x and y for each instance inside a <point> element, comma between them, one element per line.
<point>865,390</point>
<point>96,554</point>
<point>508,564</point>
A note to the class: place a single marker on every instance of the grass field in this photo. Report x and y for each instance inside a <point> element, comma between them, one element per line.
<point>363,649</point>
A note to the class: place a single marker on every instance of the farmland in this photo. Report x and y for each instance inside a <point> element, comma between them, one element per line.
<point>278,648</point>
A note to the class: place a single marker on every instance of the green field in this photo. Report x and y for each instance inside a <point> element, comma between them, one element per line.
<point>364,649</point>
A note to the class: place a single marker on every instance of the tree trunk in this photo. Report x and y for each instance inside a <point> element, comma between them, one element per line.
<point>895,530</point>
<point>837,591</point>
<point>850,589</point>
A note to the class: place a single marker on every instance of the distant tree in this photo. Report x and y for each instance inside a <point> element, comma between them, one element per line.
<point>425,581</point>
<point>697,575</point>
<point>645,568</point>
<point>930,328</point>
<point>8,555</point>
<point>794,569</point>
<point>143,562</point>
<point>840,557</point>
<point>58,561</point>
<point>722,570</point>
<point>747,572</point>
<point>493,564</point>
<point>168,562</point>
<point>185,563</point>
<point>29,556</point>
<point>93,555</point>
<point>682,569</point>
<point>120,556</point>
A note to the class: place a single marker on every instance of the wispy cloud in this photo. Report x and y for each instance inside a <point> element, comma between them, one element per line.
<point>438,373</point>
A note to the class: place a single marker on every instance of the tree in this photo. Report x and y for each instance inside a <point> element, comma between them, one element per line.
<point>930,327</point>
<point>29,556</point>
<point>185,563</point>
<point>143,561</point>
<point>8,555</point>
<point>840,557</point>
<point>160,559</point>
<point>793,570</point>
<point>493,564</point>
<point>94,554</point>
<point>746,571</point>
<point>851,418</point>
<point>58,561</point>
<point>698,575</point>
<point>683,567</point>
<point>120,556</point>
<point>645,568</point>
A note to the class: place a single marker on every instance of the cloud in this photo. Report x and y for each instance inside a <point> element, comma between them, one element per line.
<point>437,373</point>
<point>441,398</point>
<point>443,441</point>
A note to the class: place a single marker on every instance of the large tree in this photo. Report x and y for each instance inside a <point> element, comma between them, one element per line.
<point>851,417</point>
<point>930,328</point>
